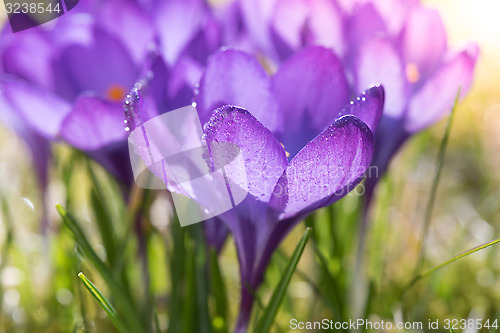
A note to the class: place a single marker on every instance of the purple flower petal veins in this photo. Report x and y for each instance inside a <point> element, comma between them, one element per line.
<point>318,174</point>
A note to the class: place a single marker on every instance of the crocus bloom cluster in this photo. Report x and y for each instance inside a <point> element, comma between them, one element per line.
<point>67,79</point>
<point>398,43</point>
<point>304,145</point>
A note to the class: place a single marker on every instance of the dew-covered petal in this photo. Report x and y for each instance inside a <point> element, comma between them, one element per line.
<point>93,124</point>
<point>264,162</point>
<point>264,156</point>
<point>236,78</point>
<point>41,109</point>
<point>423,40</point>
<point>311,89</point>
<point>326,169</point>
<point>437,96</point>
<point>298,23</point>
<point>368,107</point>
<point>379,63</point>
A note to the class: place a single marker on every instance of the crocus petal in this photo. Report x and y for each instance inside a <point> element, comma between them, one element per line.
<point>93,124</point>
<point>41,109</point>
<point>394,13</point>
<point>264,156</point>
<point>230,18</point>
<point>368,107</point>
<point>265,161</point>
<point>182,81</point>
<point>418,48</point>
<point>379,63</point>
<point>177,22</point>
<point>206,41</point>
<point>81,67</point>
<point>38,146</point>
<point>257,17</point>
<point>365,23</point>
<point>436,97</point>
<point>18,57</point>
<point>311,87</point>
<point>215,233</point>
<point>301,22</point>
<point>127,22</point>
<point>236,78</point>
<point>319,174</point>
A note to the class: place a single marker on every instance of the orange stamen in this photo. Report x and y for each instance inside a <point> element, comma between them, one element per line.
<point>115,93</point>
<point>412,73</point>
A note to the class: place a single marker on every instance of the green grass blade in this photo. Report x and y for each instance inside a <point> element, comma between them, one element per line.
<point>189,301</point>
<point>330,282</point>
<point>218,289</point>
<point>452,260</point>
<point>104,303</point>
<point>117,291</point>
<point>178,264</point>
<point>265,323</point>
<point>201,278</point>
<point>435,183</point>
<point>103,220</point>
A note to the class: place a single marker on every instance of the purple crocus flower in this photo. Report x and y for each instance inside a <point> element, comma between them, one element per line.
<point>398,43</point>
<point>303,144</point>
<point>304,148</point>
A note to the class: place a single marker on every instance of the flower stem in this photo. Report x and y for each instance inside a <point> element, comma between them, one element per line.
<point>245,312</point>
